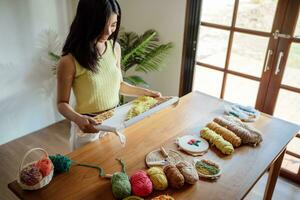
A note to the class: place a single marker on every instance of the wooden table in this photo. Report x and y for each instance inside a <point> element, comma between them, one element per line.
<point>240,171</point>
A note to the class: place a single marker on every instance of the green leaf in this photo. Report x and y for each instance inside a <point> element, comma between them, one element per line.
<point>54,56</point>
<point>136,80</point>
<point>139,48</point>
<point>153,61</point>
<point>143,53</point>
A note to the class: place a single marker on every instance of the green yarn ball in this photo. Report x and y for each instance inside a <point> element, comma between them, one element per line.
<point>121,187</point>
<point>61,163</point>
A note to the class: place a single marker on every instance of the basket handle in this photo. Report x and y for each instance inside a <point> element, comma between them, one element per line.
<point>27,154</point>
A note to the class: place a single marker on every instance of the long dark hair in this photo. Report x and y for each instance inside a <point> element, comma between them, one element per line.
<point>89,22</point>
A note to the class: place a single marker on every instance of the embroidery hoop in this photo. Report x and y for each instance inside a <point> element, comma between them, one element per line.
<point>192,149</point>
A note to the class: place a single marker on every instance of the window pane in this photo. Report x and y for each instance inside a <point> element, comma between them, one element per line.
<point>212,46</point>
<point>297,31</point>
<point>256,14</point>
<point>208,81</point>
<point>241,90</point>
<point>217,11</point>
<point>291,75</point>
<point>288,106</point>
<point>248,53</point>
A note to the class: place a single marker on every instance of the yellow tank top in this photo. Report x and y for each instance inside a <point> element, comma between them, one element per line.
<point>98,91</point>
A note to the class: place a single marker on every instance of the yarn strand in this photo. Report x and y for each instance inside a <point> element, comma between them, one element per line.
<point>122,164</point>
<point>100,170</point>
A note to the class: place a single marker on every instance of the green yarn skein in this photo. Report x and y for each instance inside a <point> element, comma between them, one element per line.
<point>121,187</point>
<point>61,163</point>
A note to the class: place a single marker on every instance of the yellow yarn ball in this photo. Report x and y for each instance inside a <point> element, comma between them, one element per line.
<point>158,178</point>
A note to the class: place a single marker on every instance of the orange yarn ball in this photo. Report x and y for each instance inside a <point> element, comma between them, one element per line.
<point>45,166</point>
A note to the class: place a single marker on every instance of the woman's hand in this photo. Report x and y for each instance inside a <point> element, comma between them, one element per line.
<point>153,94</point>
<point>86,124</point>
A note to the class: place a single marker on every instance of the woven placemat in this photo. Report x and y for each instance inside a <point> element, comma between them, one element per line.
<point>173,157</point>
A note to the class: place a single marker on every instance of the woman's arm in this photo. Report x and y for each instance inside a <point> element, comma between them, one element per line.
<point>65,76</point>
<point>131,90</point>
<point>128,89</point>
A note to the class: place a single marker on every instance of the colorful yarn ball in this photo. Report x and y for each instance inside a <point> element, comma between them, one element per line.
<point>163,197</point>
<point>31,175</point>
<point>61,163</point>
<point>141,184</point>
<point>158,178</point>
<point>175,178</point>
<point>121,187</point>
<point>45,166</point>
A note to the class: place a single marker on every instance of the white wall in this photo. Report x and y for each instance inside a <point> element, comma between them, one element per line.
<point>167,17</point>
<point>27,94</point>
<point>27,87</point>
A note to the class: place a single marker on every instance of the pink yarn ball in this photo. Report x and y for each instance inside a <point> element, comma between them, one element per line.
<point>141,184</point>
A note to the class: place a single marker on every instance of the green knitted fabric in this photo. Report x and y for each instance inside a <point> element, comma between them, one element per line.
<point>121,187</point>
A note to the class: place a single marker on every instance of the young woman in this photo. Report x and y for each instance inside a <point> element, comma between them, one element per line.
<point>90,65</point>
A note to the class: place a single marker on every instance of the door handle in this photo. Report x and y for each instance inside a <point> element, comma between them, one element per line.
<point>277,35</point>
<point>277,70</point>
<point>266,67</point>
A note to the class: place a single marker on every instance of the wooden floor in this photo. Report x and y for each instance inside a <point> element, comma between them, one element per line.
<point>55,139</point>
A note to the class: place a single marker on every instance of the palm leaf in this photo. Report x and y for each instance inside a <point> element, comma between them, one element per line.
<point>142,53</point>
<point>139,48</point>
<point>53,56</point>
<point>153,61</point>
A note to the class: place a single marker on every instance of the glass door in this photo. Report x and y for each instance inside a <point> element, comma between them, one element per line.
<point>283,96</point>
<point>249,53</point>
<point>233,47</point>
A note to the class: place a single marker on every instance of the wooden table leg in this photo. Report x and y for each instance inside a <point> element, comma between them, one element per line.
<point>273,175</point>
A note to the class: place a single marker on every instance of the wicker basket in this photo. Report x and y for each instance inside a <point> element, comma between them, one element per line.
<point>45,180</point>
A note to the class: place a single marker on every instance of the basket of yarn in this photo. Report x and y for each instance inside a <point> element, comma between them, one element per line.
<point>37,174</point>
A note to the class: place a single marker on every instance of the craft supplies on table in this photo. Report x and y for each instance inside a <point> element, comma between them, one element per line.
<point>37,174</point>
<point>207,169</point>
<point>192,144</point>
<point>141,184</point>
<point>248,134</point>
<point>120,183</point>
<point>188,171</point>
<point>225,133</point>
<point>216,140</point>
<point>175,178</point>
<point>244,113</point>
<point>158,158</point>
<point>158,178</point>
